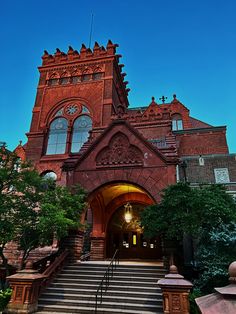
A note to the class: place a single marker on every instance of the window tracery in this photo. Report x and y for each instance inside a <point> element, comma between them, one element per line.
<point>71,109</point>
<point>57,137</point>
<point>59,132</point>
<point>81,128</point>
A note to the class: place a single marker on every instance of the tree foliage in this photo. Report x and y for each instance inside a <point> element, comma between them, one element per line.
<point>215,251</point>
<point>187,210</point>
<point>33,211</point>
<point>208,214</point>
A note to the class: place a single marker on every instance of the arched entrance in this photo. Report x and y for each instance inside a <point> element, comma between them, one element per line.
<point>128,236</point>
<point>111,227</point>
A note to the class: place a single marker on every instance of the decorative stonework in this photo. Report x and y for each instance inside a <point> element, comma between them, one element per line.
<point>221,175</point>
<point>119,152</point>
<point>71,109</point>
<point>176,303</point>
<point>175,291</point>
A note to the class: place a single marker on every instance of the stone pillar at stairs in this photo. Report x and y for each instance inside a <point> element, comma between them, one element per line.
<point>223,300</point>
<point>175,291</point>
<point>74,243</point>
<point>26,287</point>
<point>97,248</point>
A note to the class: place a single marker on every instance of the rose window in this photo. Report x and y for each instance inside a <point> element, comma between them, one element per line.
<point>71,109</point>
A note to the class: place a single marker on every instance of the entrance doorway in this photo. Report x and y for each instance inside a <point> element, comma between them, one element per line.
<point>111,229</point>
<point>129,237</point>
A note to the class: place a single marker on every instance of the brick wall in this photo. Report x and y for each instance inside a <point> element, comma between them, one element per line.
<point>205,173</point>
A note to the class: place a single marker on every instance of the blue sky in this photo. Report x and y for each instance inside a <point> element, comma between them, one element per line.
<point>185,47</point>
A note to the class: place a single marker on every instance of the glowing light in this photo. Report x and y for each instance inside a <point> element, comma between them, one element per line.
<point>128,215</point>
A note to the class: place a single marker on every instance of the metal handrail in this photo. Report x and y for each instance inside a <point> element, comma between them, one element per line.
<point>85,257</point>
<point>106,278</point>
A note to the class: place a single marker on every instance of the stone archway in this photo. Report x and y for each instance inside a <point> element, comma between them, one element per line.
<point>129,238</point>
<point>105,203</point>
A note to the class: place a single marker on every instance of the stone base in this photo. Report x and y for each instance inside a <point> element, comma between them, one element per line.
<point>97,249</point>
<point>74,243</point>
<point>21,308</point>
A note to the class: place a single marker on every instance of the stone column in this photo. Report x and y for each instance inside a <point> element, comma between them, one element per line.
<point>74,243</point>
<point>175,291</point>
<point>26,288</point>
<point>97,251</point>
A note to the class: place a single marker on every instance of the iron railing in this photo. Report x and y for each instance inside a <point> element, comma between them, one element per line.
<point>104,284</point>
<point>85,257</point>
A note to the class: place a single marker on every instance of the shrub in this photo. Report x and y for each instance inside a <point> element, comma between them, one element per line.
<point>5,296</point>
<point>193,306</point>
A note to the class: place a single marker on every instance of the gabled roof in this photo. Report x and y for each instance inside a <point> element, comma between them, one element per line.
<point>75,160</point>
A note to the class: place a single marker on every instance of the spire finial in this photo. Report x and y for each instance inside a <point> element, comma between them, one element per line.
<point>153,99</point>
<point>174,96</point>
<point>163,99</point>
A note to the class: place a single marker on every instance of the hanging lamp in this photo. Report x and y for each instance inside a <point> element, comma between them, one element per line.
<point>128,209</point>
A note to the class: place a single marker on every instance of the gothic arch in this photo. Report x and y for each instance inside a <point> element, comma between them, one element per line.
<point>153,182</point>
<point>55,108</point>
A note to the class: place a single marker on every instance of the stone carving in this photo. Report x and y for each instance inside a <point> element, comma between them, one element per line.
<point>221,175</point>
<point>176,304</point>
<point>119,152</point>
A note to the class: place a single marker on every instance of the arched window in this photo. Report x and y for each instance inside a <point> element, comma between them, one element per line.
<point>57,137</point>
<point>177,122</point>
<point>49,175</point>
<point>82,126</point>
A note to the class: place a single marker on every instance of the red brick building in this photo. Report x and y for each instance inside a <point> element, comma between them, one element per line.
<point>83,131</point>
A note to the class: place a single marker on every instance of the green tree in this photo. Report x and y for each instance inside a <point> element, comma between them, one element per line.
<point>208,214</point>
<point>215,251</point>
<point>33,210</point>
<point>184,210</point>
<point>19,190</point>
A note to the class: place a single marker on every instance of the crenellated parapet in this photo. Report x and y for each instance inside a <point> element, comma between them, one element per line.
<point>85,66</point>
<point>60,57</point>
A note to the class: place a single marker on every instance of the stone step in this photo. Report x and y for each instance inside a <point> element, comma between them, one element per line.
<point>132,290</point>
<point>115,272</point>
<point>116,277</point>
<point>112,281</point>
<point>86,265</point>
<point>110,291</point>
<point>111,286</point>
<point>91,303</point>
<point>54,309</point>
<point>53,297</point>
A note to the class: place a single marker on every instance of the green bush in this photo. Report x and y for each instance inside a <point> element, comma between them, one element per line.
<point>193,306</point>
<point>5,296</point>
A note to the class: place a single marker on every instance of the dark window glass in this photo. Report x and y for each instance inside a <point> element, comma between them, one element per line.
<point>97,76</point>
<point>57,137</point>
<point>76,79</point>
<point>86,77</point>
<point>82,126</point>
<point>53,81</point>
<point>64,80</point>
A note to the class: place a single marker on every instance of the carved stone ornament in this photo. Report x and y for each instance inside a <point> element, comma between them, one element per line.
<point>119,152</point>
<point>221,175</point>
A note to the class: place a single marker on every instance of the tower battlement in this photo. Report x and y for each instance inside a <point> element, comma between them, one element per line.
<point>85,53</point>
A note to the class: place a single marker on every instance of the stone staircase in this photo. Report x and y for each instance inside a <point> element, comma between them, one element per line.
<point>133,289</point>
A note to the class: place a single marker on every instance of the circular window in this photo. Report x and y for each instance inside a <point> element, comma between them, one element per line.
<point>72,109</point>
